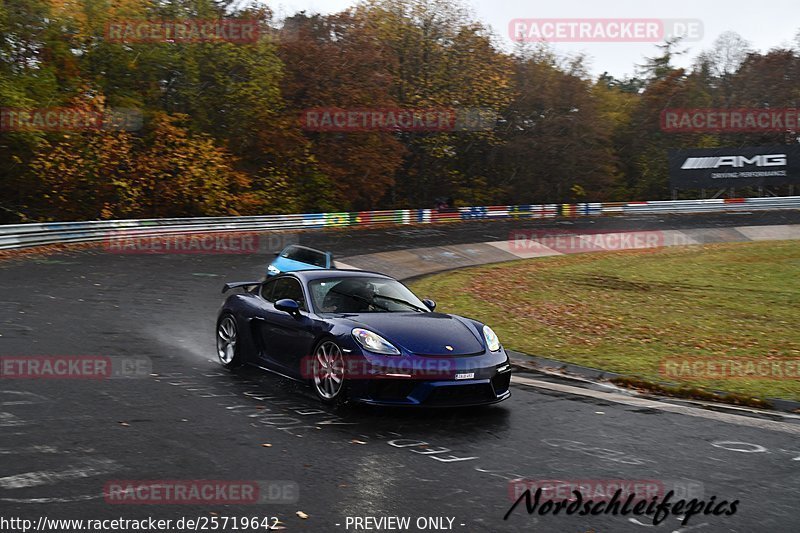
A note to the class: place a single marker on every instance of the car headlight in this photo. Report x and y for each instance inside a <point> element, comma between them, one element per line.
<point>491,339</point>
<point>272,269</point>
<point>369,340</point>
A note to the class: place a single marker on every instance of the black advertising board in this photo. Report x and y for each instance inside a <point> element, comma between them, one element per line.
<point>734,167</point>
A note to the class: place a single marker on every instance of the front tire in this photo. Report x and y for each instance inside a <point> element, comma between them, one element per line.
<point>228,350</point>
<point>329,376</point>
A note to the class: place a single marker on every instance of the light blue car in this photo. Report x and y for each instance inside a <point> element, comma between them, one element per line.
<point>296,257</point>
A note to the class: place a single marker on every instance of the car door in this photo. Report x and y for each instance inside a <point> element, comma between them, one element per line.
<point>285,339</point>
<point>261,324</point>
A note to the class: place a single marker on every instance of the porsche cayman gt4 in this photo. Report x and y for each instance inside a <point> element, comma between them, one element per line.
<point>361,336</point>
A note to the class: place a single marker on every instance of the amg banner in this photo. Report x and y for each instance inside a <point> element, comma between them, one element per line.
<point>734,167</point>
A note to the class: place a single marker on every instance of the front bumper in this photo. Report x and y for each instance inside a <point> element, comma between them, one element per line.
<point>434,394</point>
<point>486,380</point>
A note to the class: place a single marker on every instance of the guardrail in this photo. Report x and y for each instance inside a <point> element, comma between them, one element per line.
<point>14,236</point>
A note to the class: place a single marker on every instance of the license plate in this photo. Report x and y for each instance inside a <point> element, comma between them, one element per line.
<point>465,375</point>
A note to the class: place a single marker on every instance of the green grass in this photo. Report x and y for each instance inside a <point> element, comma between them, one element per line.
<point>627,311</point>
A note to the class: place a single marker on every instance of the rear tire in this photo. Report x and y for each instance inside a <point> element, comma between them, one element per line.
<point>228,350</point>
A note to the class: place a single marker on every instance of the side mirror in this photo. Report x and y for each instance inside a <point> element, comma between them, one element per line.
<point>287,305</point>
<point>430,304</point>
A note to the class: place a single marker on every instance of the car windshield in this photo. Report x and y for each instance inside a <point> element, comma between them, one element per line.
<point>305,255</point>
<point>363,295</point>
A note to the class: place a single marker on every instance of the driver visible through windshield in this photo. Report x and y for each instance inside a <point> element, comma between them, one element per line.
<point>363,295</point>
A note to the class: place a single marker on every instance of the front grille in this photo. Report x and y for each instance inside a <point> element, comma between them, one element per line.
<point>461,394</point>
<point>390,389</point>
<point>501,382</point>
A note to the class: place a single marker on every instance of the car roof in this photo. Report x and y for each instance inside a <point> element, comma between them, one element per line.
<point>321,273</point>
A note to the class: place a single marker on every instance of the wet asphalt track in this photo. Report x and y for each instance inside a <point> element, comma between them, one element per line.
<point>61,441</point>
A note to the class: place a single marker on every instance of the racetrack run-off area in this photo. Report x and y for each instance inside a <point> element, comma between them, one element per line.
<point>62,441</point>
<point>630,312</point>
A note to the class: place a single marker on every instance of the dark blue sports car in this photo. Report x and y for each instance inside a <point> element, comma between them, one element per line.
<point>361,336</point>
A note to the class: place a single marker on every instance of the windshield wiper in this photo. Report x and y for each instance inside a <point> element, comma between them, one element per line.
<point>398,300</point>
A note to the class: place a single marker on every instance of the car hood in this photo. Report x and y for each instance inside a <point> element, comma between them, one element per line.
<point>422,333</point>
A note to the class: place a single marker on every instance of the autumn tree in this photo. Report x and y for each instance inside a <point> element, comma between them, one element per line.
<point>87,173</point>
<point>222,133</point>
<point>558,132</point>
<point>335,62</point>
<point>180,174</point>
<point>442,58</point>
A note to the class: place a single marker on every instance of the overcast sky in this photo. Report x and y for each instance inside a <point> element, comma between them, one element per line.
<point>766,24</point>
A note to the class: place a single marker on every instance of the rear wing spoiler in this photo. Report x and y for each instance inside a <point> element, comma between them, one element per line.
<point>239,285</point>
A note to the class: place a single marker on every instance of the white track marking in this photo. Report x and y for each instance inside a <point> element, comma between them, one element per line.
<point>53,500</point>
<point>739,446</point>
<point>15,397</point>
<point>759,423</point>
<point>26,450</point>
<point>8,420</point>
<point>42,448</point>
<point>794,452</point>
<point>88,468</point>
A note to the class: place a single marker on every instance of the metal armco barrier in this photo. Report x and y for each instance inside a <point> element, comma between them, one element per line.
<point>26,235</point>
